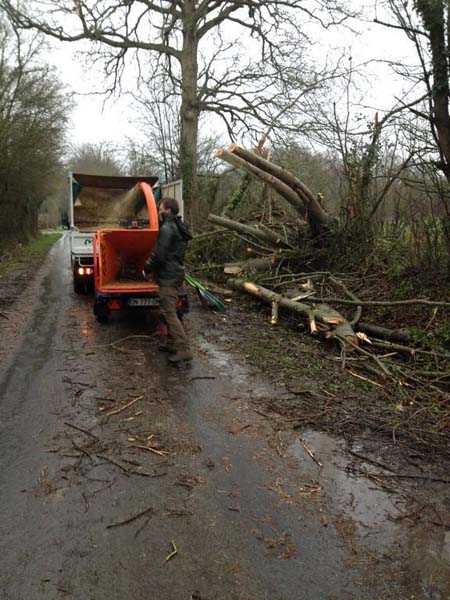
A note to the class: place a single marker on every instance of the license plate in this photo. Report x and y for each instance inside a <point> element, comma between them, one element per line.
<point>143,302</point>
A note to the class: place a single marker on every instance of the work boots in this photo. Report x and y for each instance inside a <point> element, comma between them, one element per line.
<point>167,348</point>
<point>180,356</point>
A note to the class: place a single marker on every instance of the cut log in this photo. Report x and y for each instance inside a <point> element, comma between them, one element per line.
<point>264,263</point>
<point>265,235</point>
<point>392,335</point>
<point>333,323</point>
<point>316,213</point>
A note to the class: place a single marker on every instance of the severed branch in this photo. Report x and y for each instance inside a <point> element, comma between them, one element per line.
<point>122,408</point>
<point>411,301</point>
<point>406,349</point>
<point>315,212</point>
<point>311,453</point>
<point>350,294</point>
<point>263,234</point>
<point>208,234</point>
<point>395,335</point>
<point>78,428</point>
<point>332,324</point>
<point>284,190</point>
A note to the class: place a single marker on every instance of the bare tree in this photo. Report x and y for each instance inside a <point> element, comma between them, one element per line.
<point>176,33</point>
<point>159,123</point>
<point>96,159</point>
<point>33,116</point>
<point>157,148</point>
<point>426,24</point>
<point>371,147</point>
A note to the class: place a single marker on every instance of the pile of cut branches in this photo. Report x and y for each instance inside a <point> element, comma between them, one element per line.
<point>333,304</point>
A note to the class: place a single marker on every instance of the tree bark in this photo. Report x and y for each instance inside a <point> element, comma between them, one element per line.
<point>189,112</point>
<point>337,326</point>
<point>312,207</point>
<point>284,190</point>
<point>432,13</point>
<point>393,335</point>
<point>264,235</point>
<point>264,263</point>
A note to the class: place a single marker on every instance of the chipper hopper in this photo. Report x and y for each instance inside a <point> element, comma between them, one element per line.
<point>120,253</point>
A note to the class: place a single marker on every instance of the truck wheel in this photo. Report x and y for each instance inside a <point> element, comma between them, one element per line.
<point>101,312</point>
<point>78,285</point>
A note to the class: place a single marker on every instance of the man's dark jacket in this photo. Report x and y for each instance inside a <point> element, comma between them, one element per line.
<point>167,260</point>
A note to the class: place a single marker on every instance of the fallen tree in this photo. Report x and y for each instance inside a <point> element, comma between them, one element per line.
<point>302,238</point>
<point>261,233</point>
<point>289,187</point>
<point>322,319</point>
<point>317,216</point>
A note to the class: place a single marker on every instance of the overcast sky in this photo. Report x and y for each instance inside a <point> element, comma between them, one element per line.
<point>94,118</point>
<point>97,119</point>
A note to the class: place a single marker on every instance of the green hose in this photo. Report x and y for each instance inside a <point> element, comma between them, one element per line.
<point>212,301</point>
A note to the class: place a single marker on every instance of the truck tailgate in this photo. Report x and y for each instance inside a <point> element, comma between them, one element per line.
<point>81,243</point>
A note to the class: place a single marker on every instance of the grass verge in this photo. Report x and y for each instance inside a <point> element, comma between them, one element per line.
<point>25,254</point>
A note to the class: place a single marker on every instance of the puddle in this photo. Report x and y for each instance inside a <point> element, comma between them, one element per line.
<point>354,497</point>
<point>422,550</point>
<point>428,552</point>
<point>221,360</point>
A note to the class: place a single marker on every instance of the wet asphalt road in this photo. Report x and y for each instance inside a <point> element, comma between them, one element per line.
<point>186,494</point>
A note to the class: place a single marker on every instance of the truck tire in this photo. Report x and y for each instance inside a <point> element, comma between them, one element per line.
<point>101,312</point>
<point>78,285</point>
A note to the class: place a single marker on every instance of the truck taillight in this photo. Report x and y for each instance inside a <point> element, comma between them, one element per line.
<point>115,304</point>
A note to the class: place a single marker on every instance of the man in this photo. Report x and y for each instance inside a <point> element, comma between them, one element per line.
<point>166,264</point>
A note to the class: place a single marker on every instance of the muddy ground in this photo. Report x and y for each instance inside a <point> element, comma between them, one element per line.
<point>254,474</point>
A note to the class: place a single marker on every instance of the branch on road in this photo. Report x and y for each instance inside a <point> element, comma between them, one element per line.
<point>131,519</point>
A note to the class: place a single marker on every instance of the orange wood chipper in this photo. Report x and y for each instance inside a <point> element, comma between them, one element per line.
<point>120,251</point>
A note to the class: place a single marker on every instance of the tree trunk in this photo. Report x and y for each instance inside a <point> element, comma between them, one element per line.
<point>284,190</point>
<point>316,214</point>
<point>264,234</point>
<point>336,325</point>
<point>432,13</point>
<point>264,263</point>
<point>392,335</point>
<point>189,113</point>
